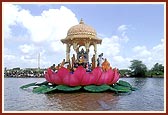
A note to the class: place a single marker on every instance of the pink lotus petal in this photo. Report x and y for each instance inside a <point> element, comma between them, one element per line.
<point>74,81</point>
<point>92,77</point>
<point>79,73</point>
<point>48,74</point>
<point>62,72</point>
<point>56,79</point>
<point>97,72</point>
<point>102,79</point>
<point>87,79</point>
<point>110,76</point>
<point>70,80</point>
<point>116,76</point>
<point>53,76</point>
<point>106,77</point>
<point>66,80</point>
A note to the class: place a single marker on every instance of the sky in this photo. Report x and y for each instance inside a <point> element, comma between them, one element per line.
<point>128,32</point>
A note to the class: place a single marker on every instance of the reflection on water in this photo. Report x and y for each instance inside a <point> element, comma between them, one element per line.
<point>148,97</point>
<point>82,101</point>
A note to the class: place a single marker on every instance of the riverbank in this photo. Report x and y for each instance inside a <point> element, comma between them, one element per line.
<point>159,76</point>
<point>24,75</point>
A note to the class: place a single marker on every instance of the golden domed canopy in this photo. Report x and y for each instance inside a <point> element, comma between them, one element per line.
<point>81,29</point>
<point>81,35</point>
<point>81,32</point>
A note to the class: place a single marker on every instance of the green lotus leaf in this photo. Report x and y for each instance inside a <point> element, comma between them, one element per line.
<point>121,89</point>
<point>124,83</point>
<point>113,89</point>
<point>39,89</point>
<point>49,89</point>
<point>28,85</point>
<point>95,88</point>
<point>43,83</point>
<point>44,89</point>
<point>67,88</point>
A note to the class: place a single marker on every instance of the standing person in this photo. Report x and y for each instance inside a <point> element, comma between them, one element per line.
<point>100,59</point>
<point>88,67</point>
<point>76,64</point>
<point>73,60</point>
<point>93,62</point>
<point>63,63</point>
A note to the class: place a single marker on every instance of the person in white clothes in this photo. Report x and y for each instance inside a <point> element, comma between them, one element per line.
<point>100,59</point>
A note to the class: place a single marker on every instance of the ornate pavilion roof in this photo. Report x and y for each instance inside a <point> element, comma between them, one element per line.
<point>81,33</point>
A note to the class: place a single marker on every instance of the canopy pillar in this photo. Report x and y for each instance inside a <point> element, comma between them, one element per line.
<point>87,46</point>
<point>75,47</point>
<point>95,51</point>
<point>67,52</point>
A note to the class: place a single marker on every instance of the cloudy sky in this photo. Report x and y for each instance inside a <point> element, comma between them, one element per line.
<point>128,31</point>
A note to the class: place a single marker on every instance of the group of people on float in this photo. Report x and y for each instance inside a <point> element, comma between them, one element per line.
<point>79,62</point>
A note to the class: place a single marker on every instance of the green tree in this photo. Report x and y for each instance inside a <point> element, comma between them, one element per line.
<point>138,68</point>
<point>125,72</point>
<point>158,69</point>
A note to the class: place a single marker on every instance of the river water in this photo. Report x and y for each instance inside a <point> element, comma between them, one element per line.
<point>148,97</point>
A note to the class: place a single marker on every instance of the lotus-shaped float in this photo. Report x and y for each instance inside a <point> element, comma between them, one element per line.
<point>98,80</point>
<point>82,78</point>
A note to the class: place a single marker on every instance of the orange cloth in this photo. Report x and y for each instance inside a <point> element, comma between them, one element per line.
<point>106,65</point>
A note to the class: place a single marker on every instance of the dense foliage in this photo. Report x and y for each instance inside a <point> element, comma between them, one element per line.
<point>28,72</point>
<point>138,69</point>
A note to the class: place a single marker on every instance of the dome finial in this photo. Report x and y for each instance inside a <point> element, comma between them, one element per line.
<point>81,21</point>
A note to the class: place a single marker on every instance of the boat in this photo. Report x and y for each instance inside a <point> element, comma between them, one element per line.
<point>97,76</point>
<point>82,78</point>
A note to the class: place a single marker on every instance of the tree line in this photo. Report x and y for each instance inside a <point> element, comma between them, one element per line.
<point>24,73</point>
<point>138,69</point>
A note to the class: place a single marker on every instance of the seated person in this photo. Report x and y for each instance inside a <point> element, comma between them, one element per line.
<point>82,61</point>
<point>53,67</point>
<point>88,67</point>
